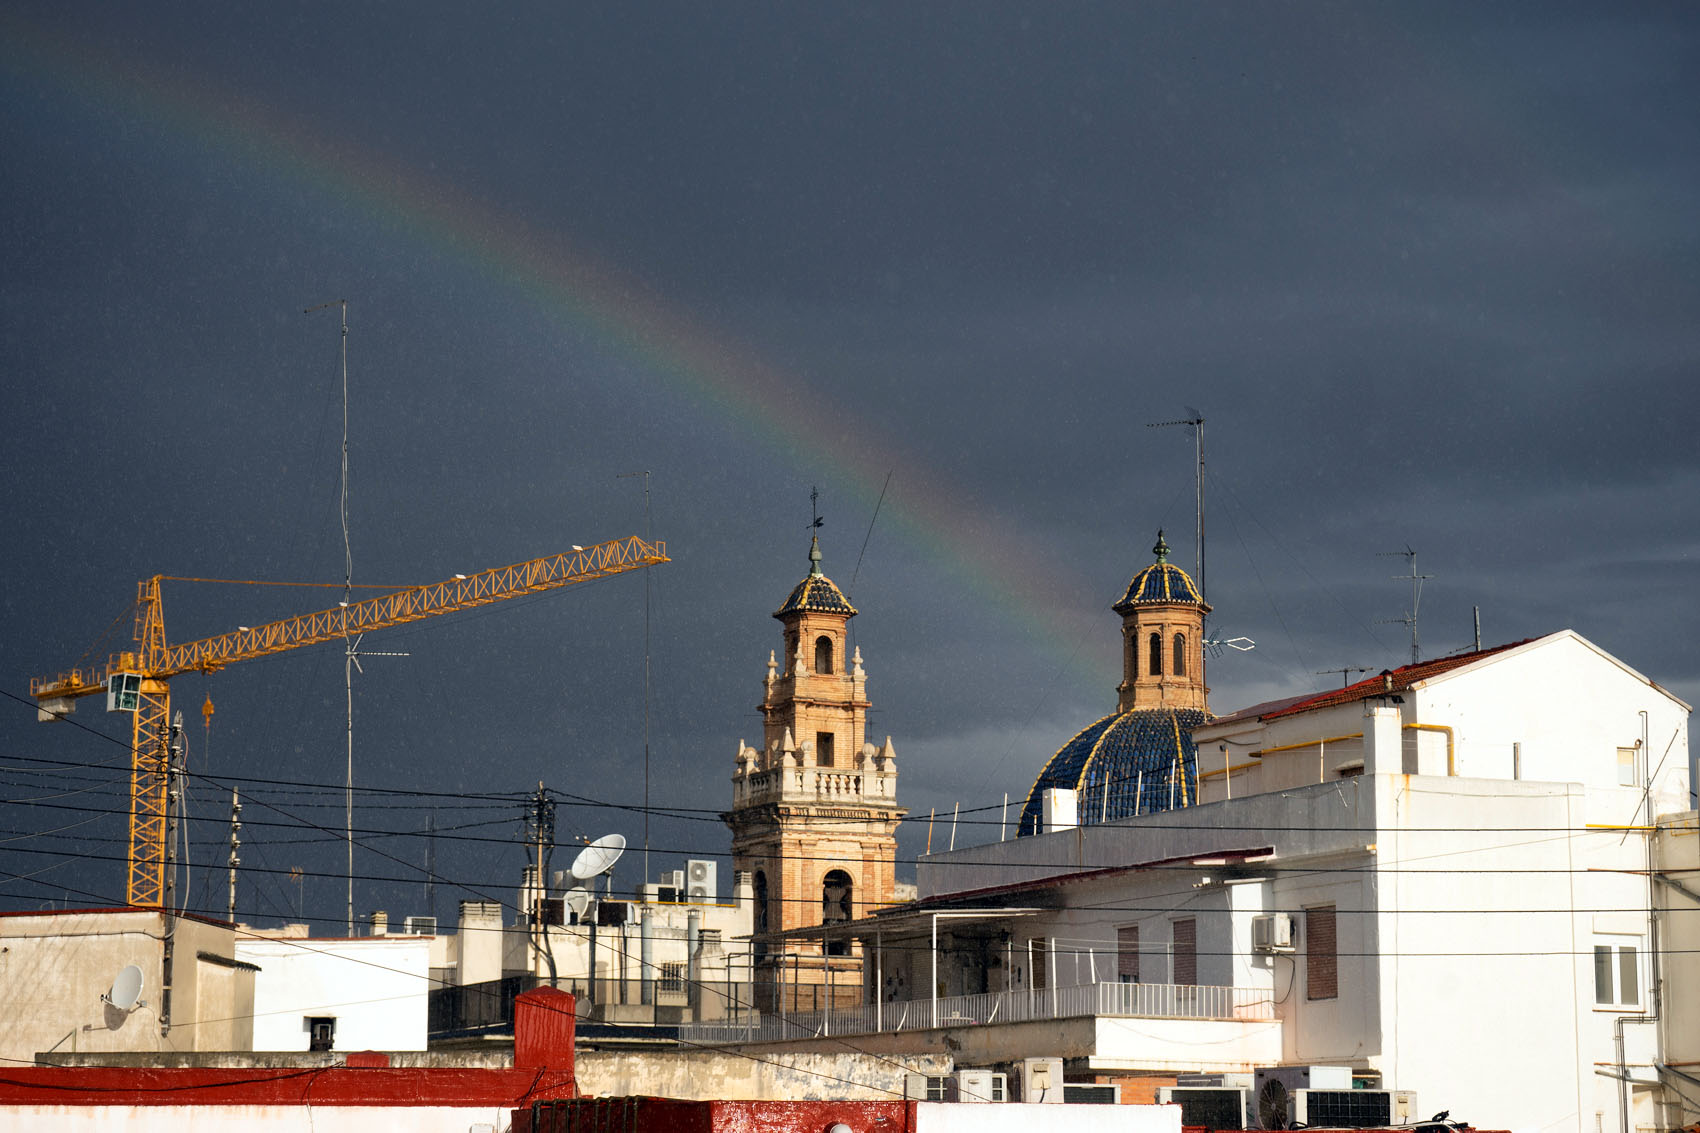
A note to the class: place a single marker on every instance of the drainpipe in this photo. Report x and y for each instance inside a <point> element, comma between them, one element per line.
<point>935,988</point>
<point>646,949</point>
<point>1651,1017</point>
<point>693,961</point>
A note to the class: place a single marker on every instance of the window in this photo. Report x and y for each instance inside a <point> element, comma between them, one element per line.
<point>1184,960</point>
<point>1617,980</point>
<point>1626,767</point>
<point>823,749</point>
<point>1127,954</point>
<point>1041,964</point>
<point>835,893</point>
<point>1179,667</point>
<point>672,977</point>
<point>1156,651</point>
<point>1322,965</point>
<point>761,901</point>
<point>321,1032</point>
<point>823,654</point>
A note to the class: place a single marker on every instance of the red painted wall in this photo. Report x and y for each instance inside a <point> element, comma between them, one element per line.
<point>670,1115</point>
<point>543,1069</point>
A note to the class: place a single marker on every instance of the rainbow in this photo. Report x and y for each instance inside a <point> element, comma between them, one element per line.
<point>1017,582</point>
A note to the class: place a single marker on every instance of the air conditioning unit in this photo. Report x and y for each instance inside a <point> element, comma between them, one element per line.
<point>1272,932</point>
<point>925,1088</point>
<point>1236,1081</point>
<point>1039,1080</point>
<point>979,1086</point>
<point>673,878</point>
<point>666,894</point>
<point>1355,1109</point>
<point>1273,1088</point>
<point>419,926</point>
<point>700,882</point>
<point>1213,1107</point>
<point>1087,1093</point>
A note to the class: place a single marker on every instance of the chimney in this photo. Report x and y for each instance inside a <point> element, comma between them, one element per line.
<point>380,923</point>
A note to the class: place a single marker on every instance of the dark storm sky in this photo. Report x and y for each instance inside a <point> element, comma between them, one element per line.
<point>1428,270</point>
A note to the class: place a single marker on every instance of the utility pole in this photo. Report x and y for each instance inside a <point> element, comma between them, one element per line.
<point>1416,580</point>
<point>235,845</point>
<point>540,832</point>
<point>171,739</point>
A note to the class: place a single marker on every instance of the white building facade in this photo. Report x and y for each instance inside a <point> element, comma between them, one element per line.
<point>1439,878</point>
<point>339,993</point>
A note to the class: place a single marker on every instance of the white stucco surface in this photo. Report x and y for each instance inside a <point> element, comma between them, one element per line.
<point>374,987</point>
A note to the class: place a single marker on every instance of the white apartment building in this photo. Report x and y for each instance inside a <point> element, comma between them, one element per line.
<point>1440,877</point>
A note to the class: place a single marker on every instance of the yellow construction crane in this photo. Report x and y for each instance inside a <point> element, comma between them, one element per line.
<point>139,681</point>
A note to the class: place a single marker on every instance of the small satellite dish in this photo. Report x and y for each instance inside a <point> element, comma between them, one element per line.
<point>126,990</point>
<point>599,857</point>
<point>578,900</point>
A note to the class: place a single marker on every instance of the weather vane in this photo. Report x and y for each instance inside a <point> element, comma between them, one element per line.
<point>814,502</point>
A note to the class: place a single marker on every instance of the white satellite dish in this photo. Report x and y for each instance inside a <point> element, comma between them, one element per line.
<point>599,857</point>
<point>578,900</point>
<point>126,990</point>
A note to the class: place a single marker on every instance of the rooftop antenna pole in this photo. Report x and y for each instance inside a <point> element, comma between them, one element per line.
<point>1416,579</point>
<point>646,584</point>
<point>1345,673</point>
<point>1196,421</point>
<point>348,662</point>
<point>235,845</point>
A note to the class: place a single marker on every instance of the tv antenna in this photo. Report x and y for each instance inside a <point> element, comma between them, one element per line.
<point>126,991</point>
<point>646,586</point>
<point>1196,421</point>
<point>1214,645</point>
<point>598,858</point>
<point>1345,672</point>
<point>1410,619</point>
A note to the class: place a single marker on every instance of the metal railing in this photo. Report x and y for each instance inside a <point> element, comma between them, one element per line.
<point>1130,1000</point>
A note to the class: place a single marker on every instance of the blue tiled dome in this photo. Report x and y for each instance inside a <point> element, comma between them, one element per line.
<point>1126,764</point>
<point>817,592</point>
<point>1162,581</point>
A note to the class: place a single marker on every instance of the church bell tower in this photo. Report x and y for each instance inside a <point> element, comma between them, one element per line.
<point>814,809</point>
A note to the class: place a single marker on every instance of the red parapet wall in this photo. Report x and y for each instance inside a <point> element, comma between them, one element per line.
<point>671,1115</point>
<point>543,1069</point>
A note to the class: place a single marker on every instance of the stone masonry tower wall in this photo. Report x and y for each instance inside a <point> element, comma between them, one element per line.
<point>814,809</point>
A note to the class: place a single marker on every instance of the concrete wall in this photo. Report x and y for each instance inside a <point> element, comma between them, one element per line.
<point>374,987</point>
<point>54,968</point>
<point>1678,860</point>
<point>263,1118</point>
<point>771,1074</point>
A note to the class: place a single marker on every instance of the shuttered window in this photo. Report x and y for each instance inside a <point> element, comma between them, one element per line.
<point>1185,952</point>
<point>1127,954</point>
<point>1322,966</point>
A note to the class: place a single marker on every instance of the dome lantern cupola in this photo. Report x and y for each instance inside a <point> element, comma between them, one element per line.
<point>1162,638</point>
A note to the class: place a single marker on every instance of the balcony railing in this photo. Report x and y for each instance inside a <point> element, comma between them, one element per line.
<point>1127,1000</point>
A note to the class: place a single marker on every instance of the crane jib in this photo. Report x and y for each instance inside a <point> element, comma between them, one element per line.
<point>160,661</point>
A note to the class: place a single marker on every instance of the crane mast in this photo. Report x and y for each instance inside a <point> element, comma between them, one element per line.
<point>139,680</point>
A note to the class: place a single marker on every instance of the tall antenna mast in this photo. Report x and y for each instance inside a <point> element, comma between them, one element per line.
<point>1196,421</point>
<point>348,646</point>
<point>1410,619</point>
<point>646,584</point>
